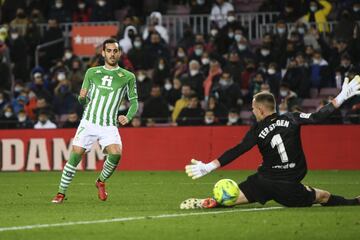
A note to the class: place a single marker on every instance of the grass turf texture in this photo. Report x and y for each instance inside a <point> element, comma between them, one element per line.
<point>25,200</point>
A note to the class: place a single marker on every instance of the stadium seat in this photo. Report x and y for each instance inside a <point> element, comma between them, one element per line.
<point>326,92</point>
<point>310,103</point>
<point>246,116</point>
<point>314,92</point>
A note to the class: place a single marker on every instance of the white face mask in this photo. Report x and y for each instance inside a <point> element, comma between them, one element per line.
<point>313,8</point>
<point>161,66</point>
<point>18,89</point>
<point>101,3</point>
<point>193,72</point>
<point>68,55</point>
<point>32,94</point>
<point>167,86</point>
<point>233,119</point>
<point>230,19</point>
<point>205,61</point>
<point>61,76</point>
<point>21,118</point>
<point>283,93</point>
<point>316,61</point>
<point>137,44</point>
<point>200,2</point>
<point>238,37</point>
<point>301,30</point>
<point>264,52</point>
<point>271,71</point>
<point>14,36</point>
<point>1,101</point>
<point>181,54</point>
<point>241,46</point>
<point>281,30</point>
<point>213,32</point>
<point>231,35</point>
<point>209,120</point>
<point>198,52</point>
<point>141,77</point>
<point>223,82</point>
<point>58,5</point>
<point>282,112</point>
<point>81,5</point>
<point>356,9</point>
<point>8,114</point>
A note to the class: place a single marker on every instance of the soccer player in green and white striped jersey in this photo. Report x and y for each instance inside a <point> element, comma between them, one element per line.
<point>101,94</point>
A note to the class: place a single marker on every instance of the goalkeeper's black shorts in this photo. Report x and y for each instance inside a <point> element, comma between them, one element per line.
<point>291,194</point>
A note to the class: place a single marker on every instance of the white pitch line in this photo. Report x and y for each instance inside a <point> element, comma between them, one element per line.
<point>128,219</point>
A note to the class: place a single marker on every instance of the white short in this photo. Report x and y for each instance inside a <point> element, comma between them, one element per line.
<point>88,133</point>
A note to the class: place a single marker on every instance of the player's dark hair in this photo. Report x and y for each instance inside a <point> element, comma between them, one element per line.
<point>110,40</point>
<point>267,99</point>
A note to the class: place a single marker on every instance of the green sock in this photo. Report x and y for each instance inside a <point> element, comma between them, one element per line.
<point>109,167</point>
<point>69,172</point>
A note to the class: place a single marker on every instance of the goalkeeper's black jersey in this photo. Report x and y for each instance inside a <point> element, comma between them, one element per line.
<point>279,141</point>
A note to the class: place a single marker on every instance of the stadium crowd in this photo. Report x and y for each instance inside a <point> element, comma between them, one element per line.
<point>206,79</point>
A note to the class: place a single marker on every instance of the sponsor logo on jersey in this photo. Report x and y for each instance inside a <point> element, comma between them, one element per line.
<point>120,74</point>
<point>106,82</point>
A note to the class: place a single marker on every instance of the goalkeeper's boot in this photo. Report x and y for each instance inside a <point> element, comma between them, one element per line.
<point>194,203</point>
<point>102,194</point>
<point>59,198</point>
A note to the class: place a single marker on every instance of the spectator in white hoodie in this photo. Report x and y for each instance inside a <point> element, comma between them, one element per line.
<point>156,25</point>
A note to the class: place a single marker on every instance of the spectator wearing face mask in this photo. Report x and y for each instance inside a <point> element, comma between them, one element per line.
<point>8,118</point>
<point>317,13</point>
<point>192,115</point>
<point>218,108</point>
<point>156,106</point>
<point>320,72</point>
<point>227,91</point>
<point>101,12</point>
<point>138,55</point>
<point>161,72</point>
<point>210,119</point>
<point>126,43</point>
<point>64,100</point>
<point>20,21</point>
<point>156,26</point>
<point>194,78</point>
<point>219,12</point>
<point>60,12</point>
<point>17,46</point>
<point>233,118</point>
<point>264,55</point>
<point>44,122</point>
<point>200,7</point>
<point>56,51</point>
<point>68,57</point>
<point>156,49</point>
<point>273,78</point>
<point>39,88</point>
<point>144,84</point>
<point>82,12</point>
<point>288,96</point>
<point>355,10</point>
<point>23,122</point>
<point>174,93</point>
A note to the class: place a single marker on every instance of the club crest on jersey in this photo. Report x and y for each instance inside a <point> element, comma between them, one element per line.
<point>120,74</point>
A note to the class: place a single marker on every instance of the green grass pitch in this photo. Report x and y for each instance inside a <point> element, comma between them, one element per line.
<point>145,205</point>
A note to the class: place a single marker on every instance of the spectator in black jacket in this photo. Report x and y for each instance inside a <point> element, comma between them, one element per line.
<point>192,115</point>
<point>156,107</point>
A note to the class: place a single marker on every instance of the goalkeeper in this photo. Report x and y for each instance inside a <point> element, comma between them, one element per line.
<point>283,167</point>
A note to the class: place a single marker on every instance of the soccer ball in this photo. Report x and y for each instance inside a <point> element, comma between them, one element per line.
<point>226,192</point>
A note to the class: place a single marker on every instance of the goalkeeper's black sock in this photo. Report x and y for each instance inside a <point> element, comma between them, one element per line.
<point>335,200</point>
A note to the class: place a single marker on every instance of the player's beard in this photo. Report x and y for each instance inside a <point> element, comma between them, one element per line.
<point>112,61</point>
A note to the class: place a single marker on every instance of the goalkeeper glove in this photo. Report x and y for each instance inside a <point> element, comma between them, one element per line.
<point>198,169</point>
<point>348,90</point>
